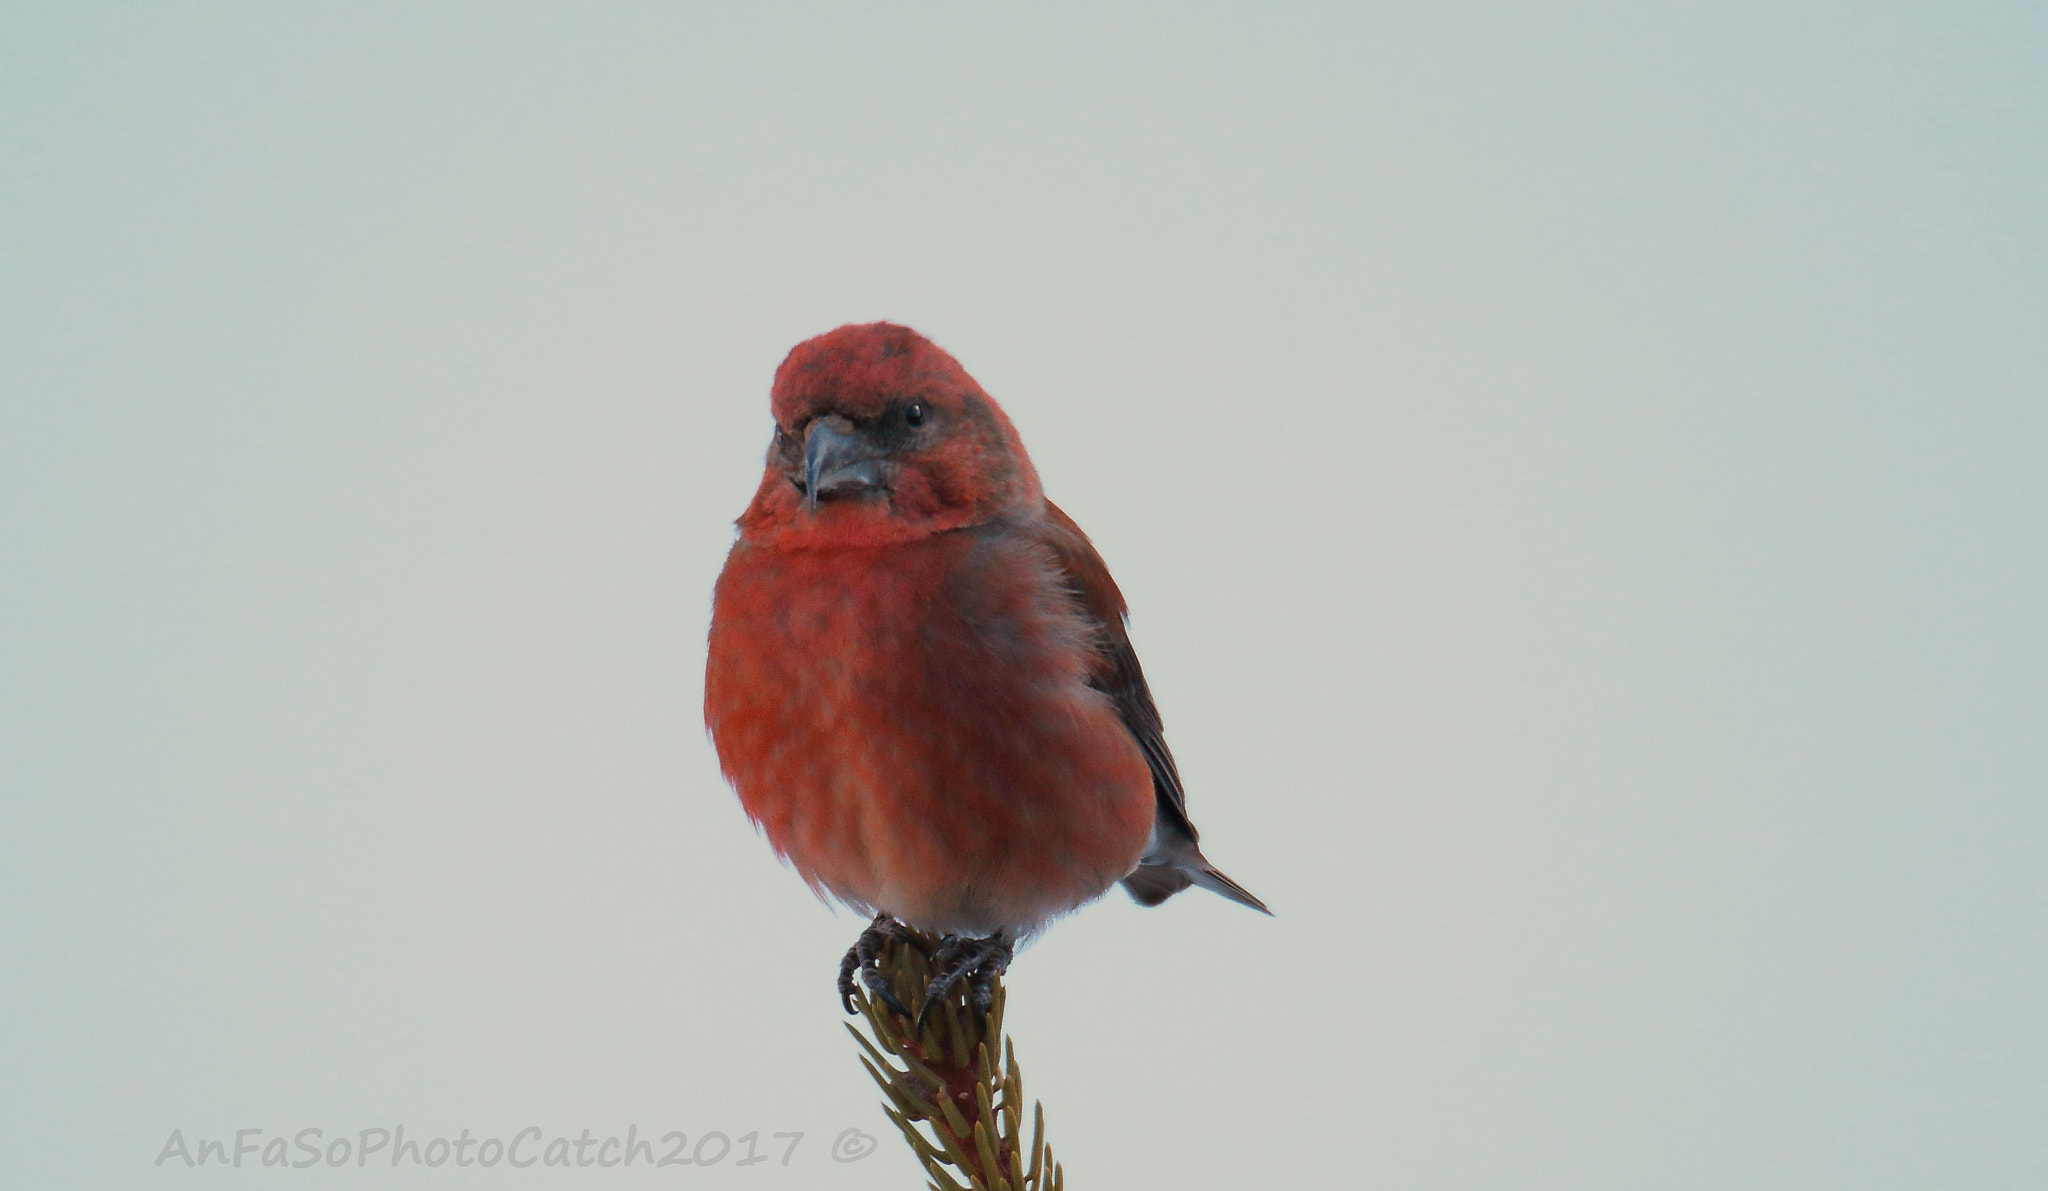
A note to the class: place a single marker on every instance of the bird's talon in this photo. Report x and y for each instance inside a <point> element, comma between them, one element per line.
<point>865,957</point>
<point>977,961</point>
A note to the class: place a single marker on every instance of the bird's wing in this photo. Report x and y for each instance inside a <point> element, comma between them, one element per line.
<point>1116,672</point>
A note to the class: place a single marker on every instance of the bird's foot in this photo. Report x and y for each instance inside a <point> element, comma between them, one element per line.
<point>864,957</point>
<point>977,961</point>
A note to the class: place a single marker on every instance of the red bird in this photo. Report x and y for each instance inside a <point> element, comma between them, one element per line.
<point>919,680</point>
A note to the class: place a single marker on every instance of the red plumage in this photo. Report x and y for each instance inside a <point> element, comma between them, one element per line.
<point>919,681</point>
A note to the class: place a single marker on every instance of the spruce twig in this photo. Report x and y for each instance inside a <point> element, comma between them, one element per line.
<point>953,1089</point>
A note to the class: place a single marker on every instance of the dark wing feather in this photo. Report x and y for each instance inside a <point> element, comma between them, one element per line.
<point>1174,861</point>
<point>1116,672</point>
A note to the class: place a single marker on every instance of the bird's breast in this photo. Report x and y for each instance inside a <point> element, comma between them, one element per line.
<point>912,727</point>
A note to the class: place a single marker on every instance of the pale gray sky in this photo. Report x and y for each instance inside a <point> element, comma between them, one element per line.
<point>1577,471</point>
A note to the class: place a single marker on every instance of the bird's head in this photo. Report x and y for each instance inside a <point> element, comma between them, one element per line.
<point>882,436</point>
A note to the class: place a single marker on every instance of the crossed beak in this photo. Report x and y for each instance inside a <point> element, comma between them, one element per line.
<point>839,459</point>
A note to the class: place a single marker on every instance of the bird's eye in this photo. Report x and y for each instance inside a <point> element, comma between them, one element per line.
<point>913,414</point>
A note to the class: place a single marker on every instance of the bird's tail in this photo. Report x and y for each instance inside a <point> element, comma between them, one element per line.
<point>1212,879</point>
<point>1154,883</point>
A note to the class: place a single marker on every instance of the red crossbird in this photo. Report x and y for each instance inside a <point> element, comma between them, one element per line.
<point>919,679</point>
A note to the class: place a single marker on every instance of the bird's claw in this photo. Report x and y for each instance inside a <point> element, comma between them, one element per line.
<point>979,961</point>
<point>865,956</point>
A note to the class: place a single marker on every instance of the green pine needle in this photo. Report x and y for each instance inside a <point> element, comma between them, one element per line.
<point>953,1089</point>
